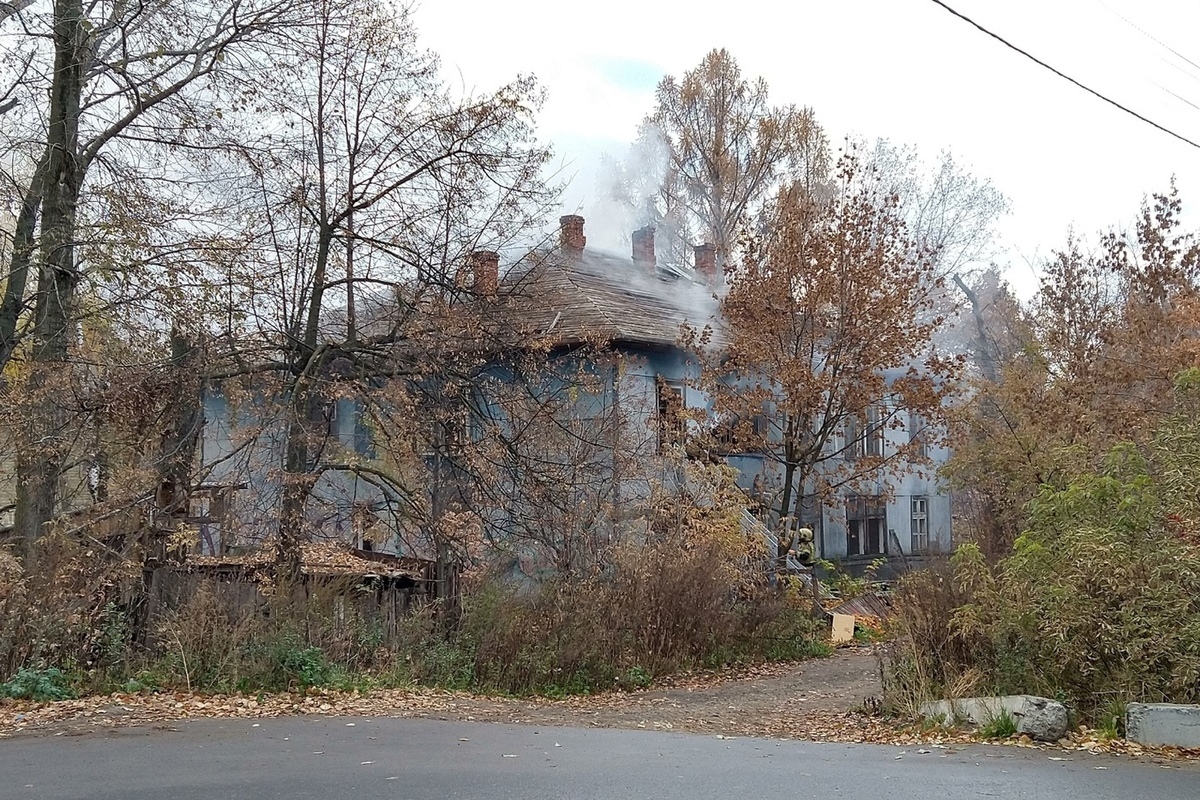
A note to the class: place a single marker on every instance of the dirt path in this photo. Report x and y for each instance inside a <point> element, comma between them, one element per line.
<point>764,699</point>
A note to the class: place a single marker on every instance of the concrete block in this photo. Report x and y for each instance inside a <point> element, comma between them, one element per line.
<point>1163,724</point>
<point>1039,717</point>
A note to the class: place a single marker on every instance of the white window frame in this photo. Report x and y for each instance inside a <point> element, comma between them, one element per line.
<point>919,524</point>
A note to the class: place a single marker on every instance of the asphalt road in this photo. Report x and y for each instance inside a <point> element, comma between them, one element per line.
<point>365,759</point>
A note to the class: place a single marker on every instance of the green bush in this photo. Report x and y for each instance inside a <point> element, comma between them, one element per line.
<point>304,666</point>
<point>45,684</point>
<point>1098,603</point>
<point>1100,598</point>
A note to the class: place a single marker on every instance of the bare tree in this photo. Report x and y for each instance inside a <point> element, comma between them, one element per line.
<point>712,151</point>
<point>116,73</point>
<point>374,185</point>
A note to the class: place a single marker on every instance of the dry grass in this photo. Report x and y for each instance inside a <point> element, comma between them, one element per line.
<point>927,658</point>
<point>65,609</point>
<point>655,609</point>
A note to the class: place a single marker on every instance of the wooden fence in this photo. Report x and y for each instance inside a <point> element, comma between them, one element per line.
<point>377,603</point>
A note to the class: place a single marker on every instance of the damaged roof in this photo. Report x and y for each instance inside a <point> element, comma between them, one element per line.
<point>591,296</point>
<point>323,559</point>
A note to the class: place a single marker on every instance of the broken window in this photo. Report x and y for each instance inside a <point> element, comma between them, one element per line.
<point>208,511</point>
<point>734,433</point>
<point>364,525</point>
<point>866,526</point>
<point>920,525</point>
<point>671,423</point>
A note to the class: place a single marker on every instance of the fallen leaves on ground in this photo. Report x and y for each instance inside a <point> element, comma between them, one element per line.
<point>777,701</point>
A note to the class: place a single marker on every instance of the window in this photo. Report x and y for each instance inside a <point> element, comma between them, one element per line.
<point>455,430</point>
<point>853,439</point>
<point>917,435</point>
<point>444,432</point>
<point>920,525</point>
<point>866,437</point>
<point>363,526</point>
<point>866,526</point>
<point>734,434</point>
<point>208,510</point>
<point>874,433</point>
<point>671,423</point>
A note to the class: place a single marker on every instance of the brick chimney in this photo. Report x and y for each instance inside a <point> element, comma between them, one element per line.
<point>570,233</point>
<point>706,262</point>
<point>643,247</point>
<point>485,268</point>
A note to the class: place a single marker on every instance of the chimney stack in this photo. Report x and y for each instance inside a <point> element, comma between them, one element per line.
<point>643,247</point>
<point>485,267</point>
<point>706,262</point>
<point>570,233</point>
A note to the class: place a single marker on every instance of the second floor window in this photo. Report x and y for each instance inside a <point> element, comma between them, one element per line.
<point>671,423</point>
<point>918,435</point>
<point>867,435</point>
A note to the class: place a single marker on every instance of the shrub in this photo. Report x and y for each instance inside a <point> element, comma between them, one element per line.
<point>45,684</point>
<point>1098,603</point>
<point>658,608</point>
<point>1100,599</point>
<point>928,656</point>
<point>300,664</point>
<point>59,609</point>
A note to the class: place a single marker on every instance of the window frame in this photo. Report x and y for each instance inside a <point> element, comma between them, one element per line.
<point>918,523</point>
<point>917,426</point>
<point>861,511</point>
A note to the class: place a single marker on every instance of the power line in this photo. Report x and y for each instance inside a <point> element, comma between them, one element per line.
<point>1147,34</point>
<point>1064,76</point>
<point>1178,97</point>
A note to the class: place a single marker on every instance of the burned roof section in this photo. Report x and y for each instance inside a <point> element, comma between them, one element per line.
<point>574,295</point>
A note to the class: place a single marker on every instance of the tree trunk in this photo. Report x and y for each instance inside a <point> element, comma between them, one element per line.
<point>41,457</point>
<point>299,476</point>
<point>182,422</point>
<point>784,530</point>
<point>983,349</point>
<point>18,268</point>
<point>813,584</point>
<point>298,480</point>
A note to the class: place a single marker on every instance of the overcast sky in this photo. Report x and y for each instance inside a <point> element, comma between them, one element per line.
<point>905,70</point>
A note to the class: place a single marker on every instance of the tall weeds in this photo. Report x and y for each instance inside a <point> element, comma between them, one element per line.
<point>671,604</point>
